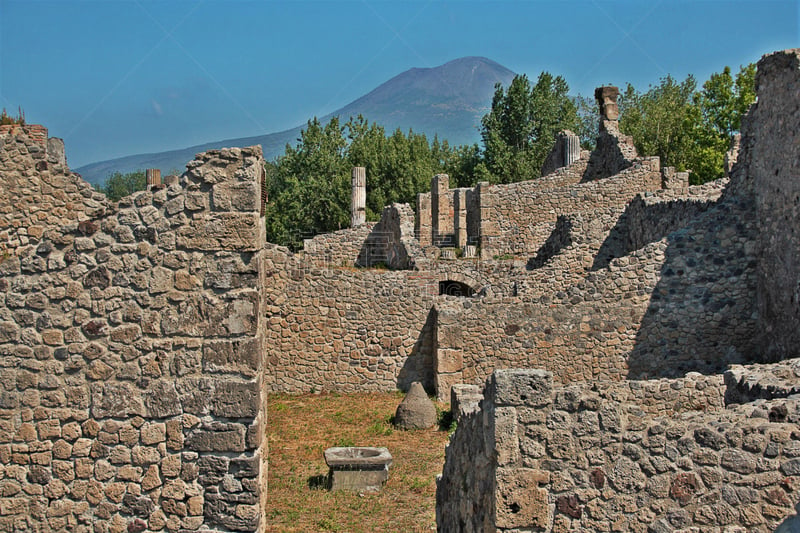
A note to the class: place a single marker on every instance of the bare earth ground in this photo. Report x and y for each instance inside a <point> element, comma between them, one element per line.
<point>300,428</point>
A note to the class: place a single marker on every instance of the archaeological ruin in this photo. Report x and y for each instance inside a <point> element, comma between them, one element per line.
<point>619,347</point>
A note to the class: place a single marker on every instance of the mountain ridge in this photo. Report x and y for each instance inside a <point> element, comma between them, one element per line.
<point>447,100</point>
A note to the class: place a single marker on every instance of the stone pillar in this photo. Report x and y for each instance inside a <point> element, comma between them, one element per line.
<point>572,148</point>
<point>460,209</point>
<point>441,222</point>
<point>358,204</point>
<point>489,231</point>
<point>607,100</point>
<point>153,176</point>
<point>448,361</point>
<point>422,223</point>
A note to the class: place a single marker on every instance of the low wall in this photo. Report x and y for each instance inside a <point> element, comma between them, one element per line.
<point>639,456</point>
<point>339,248</point>
<point>130,368</point>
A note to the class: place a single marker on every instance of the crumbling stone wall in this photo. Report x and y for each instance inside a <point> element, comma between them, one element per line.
<point>38,189</point>
<point>130,382</point>
<point>391,242</point>
<point>344,329</point>
<point>338,248</point>
<point>638,456</point>
<point>717,291</point>
<point>772,157</point>
<point>519,216</point>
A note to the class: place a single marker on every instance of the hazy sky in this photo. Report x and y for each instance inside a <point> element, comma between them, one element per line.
<point>121,77</point>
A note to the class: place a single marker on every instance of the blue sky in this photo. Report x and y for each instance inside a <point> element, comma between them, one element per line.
<point>121,77</point>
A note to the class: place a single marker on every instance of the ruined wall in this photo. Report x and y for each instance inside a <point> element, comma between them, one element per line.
<point>517,218</point>
<point>130,376</point>
<point>338,248</point>
<point>391,242</point>
<point>38,190</point>
<point>638,456</point>
<point>771,153</point>
<point>682,303</point>
<point>344,329</point>
<point>589,456</point>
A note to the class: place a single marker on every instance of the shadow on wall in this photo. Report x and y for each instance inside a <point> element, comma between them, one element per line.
<point>701,316</point>
<point>642,223</point>
<point>419,363</point>
<point>383,249</point>
<point>560,238</point>
<point>791,524</point>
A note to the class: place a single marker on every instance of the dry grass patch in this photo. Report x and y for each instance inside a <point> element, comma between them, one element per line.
<point>300,428</point>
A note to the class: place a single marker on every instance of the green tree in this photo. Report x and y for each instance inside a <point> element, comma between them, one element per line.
<point>119,185</point>
<point>687,128</point>
<point>520,129</point>
<point>719,108</point>
<point>661,120</point>
<point>309,186</point>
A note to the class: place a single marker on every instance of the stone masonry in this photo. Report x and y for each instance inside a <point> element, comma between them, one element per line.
<point>130,397</point>
<point>684,451</point>
<point>652,326</point>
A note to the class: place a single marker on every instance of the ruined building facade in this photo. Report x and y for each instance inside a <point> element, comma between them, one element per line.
<point>617,344</point>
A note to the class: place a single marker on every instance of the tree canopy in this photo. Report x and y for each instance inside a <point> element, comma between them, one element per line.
<point>119,185</point>
<point>687,128</point>
<point>309,186</point>
<point>520,129</point>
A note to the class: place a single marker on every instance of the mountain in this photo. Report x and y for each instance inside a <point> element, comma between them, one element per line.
<point>448,100</point>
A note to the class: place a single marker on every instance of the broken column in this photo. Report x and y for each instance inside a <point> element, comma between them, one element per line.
<point>422,223</point>
<point>358,204</point>
<point>572,148</point>
<point>607,100</point>
<point>152,177</point>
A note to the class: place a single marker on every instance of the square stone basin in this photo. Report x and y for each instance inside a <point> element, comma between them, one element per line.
<point>358,468</point>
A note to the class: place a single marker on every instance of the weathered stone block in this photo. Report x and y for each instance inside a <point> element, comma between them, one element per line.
<point>237,355</point>
<point>448,361</point>
<point>115,400</point>
<point>236,399</point>
<point>505,436</point>
<point>228,439</point>
<point>161,399</point>
<point>233,196</point>
<point>221,231</point>
<point>520,503</point>
<point>532,388</point>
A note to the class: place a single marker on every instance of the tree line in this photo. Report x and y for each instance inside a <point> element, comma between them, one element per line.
<point>688,127</point>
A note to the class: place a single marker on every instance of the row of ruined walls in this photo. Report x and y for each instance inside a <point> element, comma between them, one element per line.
<point>338,326</point>
<point>345,327</point>
<point>523,459</point>
<point>130,356</point>
<point>681,301</point>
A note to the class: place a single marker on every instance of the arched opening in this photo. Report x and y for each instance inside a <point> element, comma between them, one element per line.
<point>451,287</point>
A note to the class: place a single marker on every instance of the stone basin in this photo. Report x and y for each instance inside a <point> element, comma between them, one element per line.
<point>357,468</point>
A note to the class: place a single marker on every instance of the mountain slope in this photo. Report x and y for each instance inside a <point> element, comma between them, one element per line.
<point>447,100</point>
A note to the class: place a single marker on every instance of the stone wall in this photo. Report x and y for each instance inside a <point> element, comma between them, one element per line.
<point>38,190</point>
<point>130,376</point>
<point>772,155</point>
<point>338,248</point>
<point>660,455</point>
<point>681,452</point>
<point>519,216</point>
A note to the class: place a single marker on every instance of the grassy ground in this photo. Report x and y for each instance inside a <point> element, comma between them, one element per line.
<point>300,428</point>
